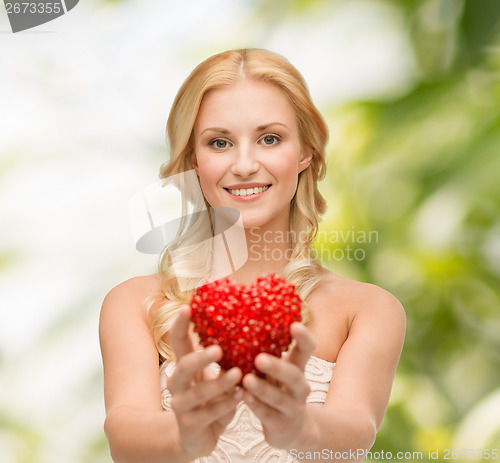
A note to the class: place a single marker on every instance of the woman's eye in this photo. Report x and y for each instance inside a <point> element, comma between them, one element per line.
<point>270,140</point>
<point>219,144</point>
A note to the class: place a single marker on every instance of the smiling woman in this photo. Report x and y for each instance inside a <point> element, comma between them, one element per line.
<point>244,121</point>
<point>265,159</point>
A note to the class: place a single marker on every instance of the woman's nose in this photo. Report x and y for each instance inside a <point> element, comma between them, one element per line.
<point>245,161</point>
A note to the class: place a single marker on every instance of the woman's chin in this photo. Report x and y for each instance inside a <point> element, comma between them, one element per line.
<point>256,222</point>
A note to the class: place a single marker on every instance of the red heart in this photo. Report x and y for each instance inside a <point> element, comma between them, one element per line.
<point>245,321</point>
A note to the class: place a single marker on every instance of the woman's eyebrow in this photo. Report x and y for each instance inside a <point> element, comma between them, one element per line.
<point>260,128</point>
<point>215,129</point>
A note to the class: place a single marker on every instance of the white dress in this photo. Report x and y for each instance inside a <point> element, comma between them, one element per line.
<point>243,439</point>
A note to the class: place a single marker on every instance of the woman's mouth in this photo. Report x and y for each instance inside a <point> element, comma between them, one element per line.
<point>247,193</point>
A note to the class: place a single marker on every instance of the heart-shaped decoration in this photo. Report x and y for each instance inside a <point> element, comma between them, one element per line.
<point>246,321</point>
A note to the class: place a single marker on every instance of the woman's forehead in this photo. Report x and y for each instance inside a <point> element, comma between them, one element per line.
<point>247,101</point>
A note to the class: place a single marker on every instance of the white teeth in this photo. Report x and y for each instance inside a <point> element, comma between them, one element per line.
<point>248,191</point>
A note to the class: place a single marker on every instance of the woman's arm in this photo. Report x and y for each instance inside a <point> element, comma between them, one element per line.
<point>362,379</point>
<point>359,391</point>
<point>137,435</point>
<point>137,428</point>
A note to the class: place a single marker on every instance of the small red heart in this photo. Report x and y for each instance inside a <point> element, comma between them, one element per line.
<point>246,321</point>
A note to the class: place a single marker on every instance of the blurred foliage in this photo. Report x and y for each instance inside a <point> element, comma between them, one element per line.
<point>422,171</point>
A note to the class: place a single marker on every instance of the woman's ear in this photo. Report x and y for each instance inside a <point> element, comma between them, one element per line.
<point>305,158</point>
<point>194,162</point>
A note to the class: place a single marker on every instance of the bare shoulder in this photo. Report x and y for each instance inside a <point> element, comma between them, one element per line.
<point>136,286</point>
<point>133,291</point>
<point>341,305</point>
<point>358,297</point>
<point>127,303</point>
<point>369,307</point>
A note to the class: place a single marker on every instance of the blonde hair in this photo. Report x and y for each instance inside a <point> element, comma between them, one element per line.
<point>306,207</point>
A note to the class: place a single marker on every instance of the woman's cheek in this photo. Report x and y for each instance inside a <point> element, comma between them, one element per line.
<point>208,185</point>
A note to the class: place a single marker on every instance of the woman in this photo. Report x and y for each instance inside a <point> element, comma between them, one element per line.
<point>244,121</point>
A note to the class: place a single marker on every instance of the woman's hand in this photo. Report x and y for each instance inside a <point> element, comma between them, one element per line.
<point>280,400</point>
<point>203,403</point>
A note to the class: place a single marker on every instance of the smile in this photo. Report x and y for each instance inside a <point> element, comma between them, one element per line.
<point>248,191</point>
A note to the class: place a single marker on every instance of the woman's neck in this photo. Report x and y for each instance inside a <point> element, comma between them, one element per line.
<point>267,249</point>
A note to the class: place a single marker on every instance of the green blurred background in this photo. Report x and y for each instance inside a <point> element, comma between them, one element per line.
<point>411,92</point>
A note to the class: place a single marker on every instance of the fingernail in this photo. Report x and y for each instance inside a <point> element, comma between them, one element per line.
<point>213,352</point>
<point>250,382</point>
<point>264,361</point>
<point>297,326</point>
<point>232,374</point>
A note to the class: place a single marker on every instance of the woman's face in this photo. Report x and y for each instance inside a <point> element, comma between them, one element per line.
<point>248,153</point>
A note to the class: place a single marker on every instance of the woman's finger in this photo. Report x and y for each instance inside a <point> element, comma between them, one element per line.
<point>288,374</point>
<point>205,416</point>
<point>206,391</point>
<point>304,346</point>
<point>189,365</point>
<point>179,333</point>
<point>264,393</point>
<point>261,410</point>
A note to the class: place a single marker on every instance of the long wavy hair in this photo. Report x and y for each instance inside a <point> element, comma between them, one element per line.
<point>192,261</point>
